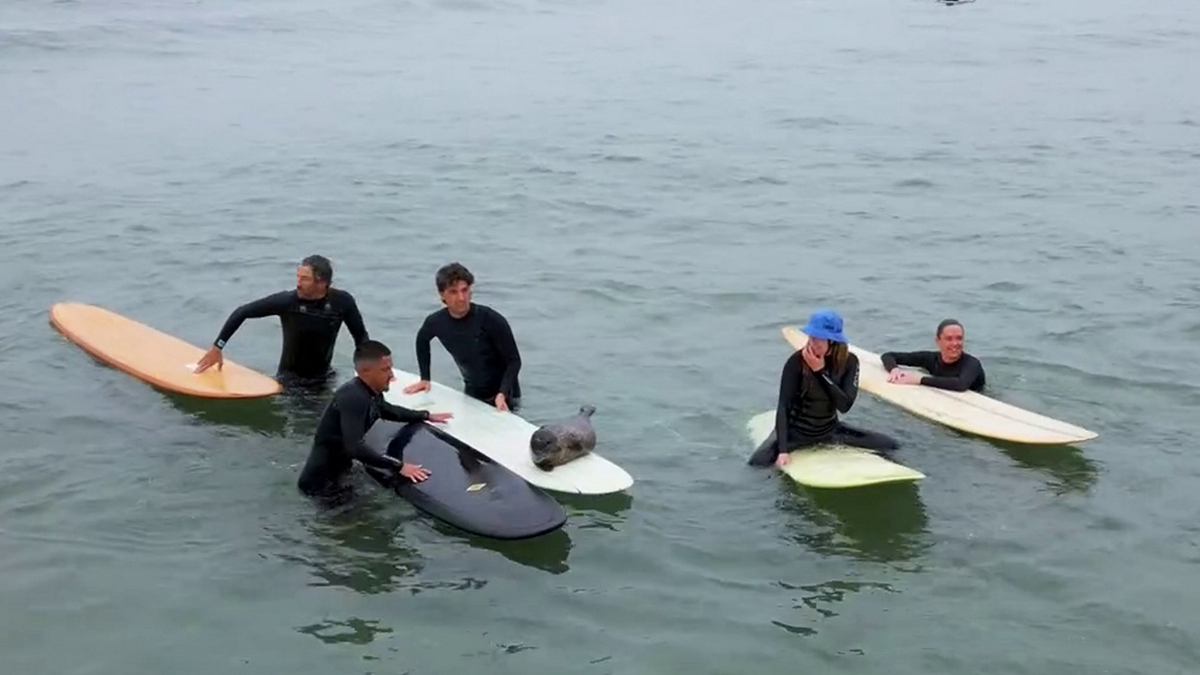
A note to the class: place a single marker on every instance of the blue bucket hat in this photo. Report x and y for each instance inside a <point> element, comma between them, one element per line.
<point>825,324</point>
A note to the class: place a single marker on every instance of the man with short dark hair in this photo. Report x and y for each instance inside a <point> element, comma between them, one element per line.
<point>357,405</point>
<point>477,337</point>
<point>311,317</point>
<point>949,368</point>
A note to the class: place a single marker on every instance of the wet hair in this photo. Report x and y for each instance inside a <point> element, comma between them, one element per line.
<point>369,352</point>
<point>321,268</point>
<point>451,274</point>
<point>946,323</point>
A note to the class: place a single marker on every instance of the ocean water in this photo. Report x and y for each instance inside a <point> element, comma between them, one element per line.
<point>648,192</point>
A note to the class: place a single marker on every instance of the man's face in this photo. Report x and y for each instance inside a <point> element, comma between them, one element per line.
<point>307,285</point>
<point>457,297</point>
<point>378,375</point>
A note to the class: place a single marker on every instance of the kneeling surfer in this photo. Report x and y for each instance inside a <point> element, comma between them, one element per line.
<point>818,382</point>
<point>356,405</point>
<point>949,367</point>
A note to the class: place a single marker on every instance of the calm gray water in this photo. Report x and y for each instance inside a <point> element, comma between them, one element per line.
<point>648,190</point>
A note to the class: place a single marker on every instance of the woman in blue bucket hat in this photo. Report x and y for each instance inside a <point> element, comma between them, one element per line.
<point>819,381</point>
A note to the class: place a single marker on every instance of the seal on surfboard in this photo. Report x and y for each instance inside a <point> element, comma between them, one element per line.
<point>505,437</point>
<point>966,411</point>
<point>154,357</point>
<point>557,443</point>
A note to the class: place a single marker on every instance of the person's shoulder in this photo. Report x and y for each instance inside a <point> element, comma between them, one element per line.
<point>971,358</point>
<point>489,312</point>
<point>437,315</point>
<point>347,390</point>
<point>341,295</point>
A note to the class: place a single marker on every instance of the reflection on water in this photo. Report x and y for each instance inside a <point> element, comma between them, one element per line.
<point>262,415</point>
<point>295,411</point>
<point>357,547</point>
<point>879,523</point>
<point>354,631</point>
<point>820,599</point>
<point>596,511</point>
<point>547,552</point>
<point>1069,469</point>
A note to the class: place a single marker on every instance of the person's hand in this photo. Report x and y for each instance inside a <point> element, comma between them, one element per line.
<point>213,355</point>
<point>782,459</point>
<point>413,472</point>
<point>413,388</point>
<point>439,418</point>
<point>898,376</point>
<point>501,403</point>
<point>815,364</point>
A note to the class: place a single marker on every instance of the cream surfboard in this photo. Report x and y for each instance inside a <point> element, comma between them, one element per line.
<point>967,411</point>
<point>832,466</point>
<point>504,437</point>
<point>154,357</point>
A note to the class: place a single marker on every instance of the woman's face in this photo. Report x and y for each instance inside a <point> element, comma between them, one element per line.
<point>819,347</point>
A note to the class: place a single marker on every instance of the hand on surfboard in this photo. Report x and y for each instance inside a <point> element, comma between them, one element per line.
<point>415,387</point>
<point>414,472</point>
<point>897,376</point>
<point>213,355</point>
<point>782,459</point>
<point>440,418</point>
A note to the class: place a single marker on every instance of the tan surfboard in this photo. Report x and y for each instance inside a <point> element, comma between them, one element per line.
<point>967,411</point>
<point>154,357</point>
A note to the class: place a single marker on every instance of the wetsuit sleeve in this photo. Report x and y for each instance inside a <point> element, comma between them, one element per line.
<point>424,337</point>
<point>355,418</point>
<point>969,373</point>
<point>354,321</point>
<point>501,334</point>
<point>270,305</point>
<point>912,359</point>
<point>789,383</point>
<point>844,390</point>
<point>398,413</point>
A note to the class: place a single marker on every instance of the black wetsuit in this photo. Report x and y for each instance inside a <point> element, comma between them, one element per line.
<point>310,330</point>
<point>965,373</point>
<point>808,407</point>
<point>482,346</point>
<point>338,439</point>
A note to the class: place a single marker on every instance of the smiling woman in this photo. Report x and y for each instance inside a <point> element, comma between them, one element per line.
<point>949,367</point>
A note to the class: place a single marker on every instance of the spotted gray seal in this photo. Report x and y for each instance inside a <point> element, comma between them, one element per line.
<point>560,442</point>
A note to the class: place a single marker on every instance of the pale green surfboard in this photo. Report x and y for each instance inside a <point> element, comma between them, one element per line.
<point>832,466</point>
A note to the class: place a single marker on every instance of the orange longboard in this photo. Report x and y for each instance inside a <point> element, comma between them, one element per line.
<point>154,357</point>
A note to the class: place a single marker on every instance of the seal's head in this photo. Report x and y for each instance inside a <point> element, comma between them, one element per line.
<point>543,444</point>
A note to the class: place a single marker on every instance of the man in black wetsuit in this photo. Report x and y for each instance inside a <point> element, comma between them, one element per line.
<point>356,405</point>
<point>477,337</point>
<point>949,368</point>
<point>818,382</point>
<point>311,317</point>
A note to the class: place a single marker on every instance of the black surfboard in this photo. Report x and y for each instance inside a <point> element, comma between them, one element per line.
<point>465,488</point>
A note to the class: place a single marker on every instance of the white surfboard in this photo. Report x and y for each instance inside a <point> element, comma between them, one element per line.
<point>967,411</point>
<point>832,466</point>
<point>504,437</point>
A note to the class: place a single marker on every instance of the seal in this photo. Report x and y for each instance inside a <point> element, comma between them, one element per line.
<point>560,442</point>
